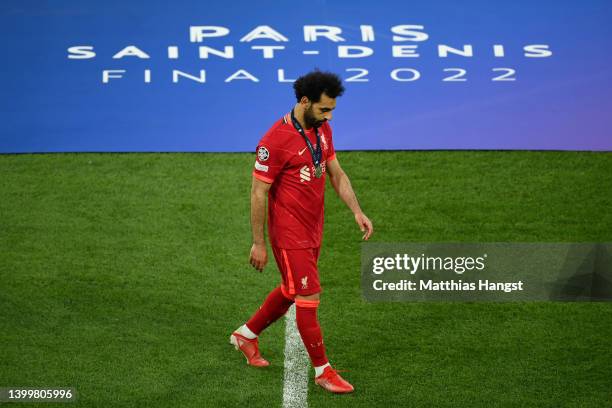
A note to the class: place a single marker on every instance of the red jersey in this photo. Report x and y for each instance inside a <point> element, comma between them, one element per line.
<point>295,200</point>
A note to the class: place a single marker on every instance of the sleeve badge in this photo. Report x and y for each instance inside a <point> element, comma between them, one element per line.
<point>263,154</point>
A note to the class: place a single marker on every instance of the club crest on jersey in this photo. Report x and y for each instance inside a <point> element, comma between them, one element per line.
<point>263,154</point>
<point>323,142</point>
<point>305,282</point>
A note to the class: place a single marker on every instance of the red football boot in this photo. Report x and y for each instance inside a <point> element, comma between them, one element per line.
<point>332,382</point>
<point>250,349</point>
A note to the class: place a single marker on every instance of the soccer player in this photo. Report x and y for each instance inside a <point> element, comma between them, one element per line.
<point>293,158</point>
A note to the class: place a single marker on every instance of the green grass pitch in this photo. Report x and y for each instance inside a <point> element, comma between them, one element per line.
<point>122,275</point>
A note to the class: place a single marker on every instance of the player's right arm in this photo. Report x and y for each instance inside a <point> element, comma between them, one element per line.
<point>259,193</point>
<point>269,162</point>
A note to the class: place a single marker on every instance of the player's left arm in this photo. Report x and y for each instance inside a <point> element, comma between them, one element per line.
<point>342,185</point>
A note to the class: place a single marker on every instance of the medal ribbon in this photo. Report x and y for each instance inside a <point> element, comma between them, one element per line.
<point>317,154</point>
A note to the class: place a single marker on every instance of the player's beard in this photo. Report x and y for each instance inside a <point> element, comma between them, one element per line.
<point>310,120</point>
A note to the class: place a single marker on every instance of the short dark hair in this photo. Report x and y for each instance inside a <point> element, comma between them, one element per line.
<point>314,83</point>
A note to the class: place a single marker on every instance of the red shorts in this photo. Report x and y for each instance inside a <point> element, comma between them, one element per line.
<point>299,273</point>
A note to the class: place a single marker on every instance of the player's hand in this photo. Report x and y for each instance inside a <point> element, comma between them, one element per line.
<point>365,225</point>
<point>259,256</point>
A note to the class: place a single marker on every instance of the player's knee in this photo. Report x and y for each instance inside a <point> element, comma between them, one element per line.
<point>314,296</point>
<point>308,302</point>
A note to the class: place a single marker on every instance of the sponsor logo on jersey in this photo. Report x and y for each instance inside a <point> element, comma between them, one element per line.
<point>301,152</point>
<point>260,166</point>
<point>263,154</point>
<point>305,174</point>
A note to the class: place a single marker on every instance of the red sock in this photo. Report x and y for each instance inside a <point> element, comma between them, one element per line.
<point>275,306</point>
<point>310,331</point>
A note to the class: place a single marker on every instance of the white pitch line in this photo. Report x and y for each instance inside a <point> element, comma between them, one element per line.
<point>295,383</point>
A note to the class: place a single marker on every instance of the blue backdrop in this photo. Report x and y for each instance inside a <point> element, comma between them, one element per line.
<point>549,90</point>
